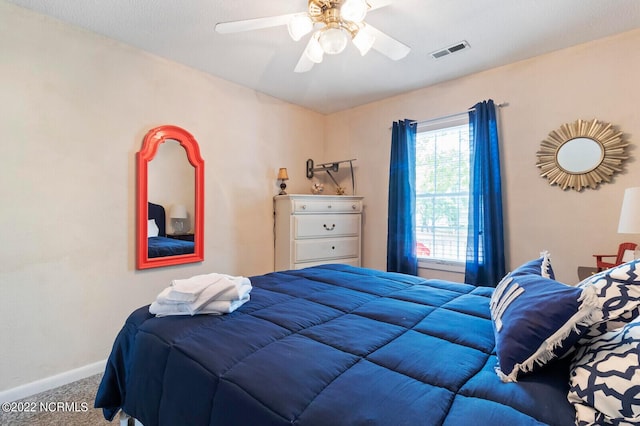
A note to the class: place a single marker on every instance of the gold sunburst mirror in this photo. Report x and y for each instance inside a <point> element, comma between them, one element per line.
<point>581,154</point>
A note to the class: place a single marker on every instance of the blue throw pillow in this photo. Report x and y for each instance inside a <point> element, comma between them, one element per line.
<point>540,266</point>
<point>536,318</point>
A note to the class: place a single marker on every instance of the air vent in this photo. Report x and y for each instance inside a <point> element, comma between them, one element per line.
<point>449,50</point>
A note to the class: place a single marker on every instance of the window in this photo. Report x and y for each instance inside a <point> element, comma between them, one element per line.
<point>442,191</point>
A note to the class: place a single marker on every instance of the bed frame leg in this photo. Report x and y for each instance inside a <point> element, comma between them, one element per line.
<point>126,420</point>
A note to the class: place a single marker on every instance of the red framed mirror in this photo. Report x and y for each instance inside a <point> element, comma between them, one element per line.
<point>170,199</point>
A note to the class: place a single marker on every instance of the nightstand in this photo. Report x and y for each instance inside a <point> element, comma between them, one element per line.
<point>585,272</point>
<point>183,237</point>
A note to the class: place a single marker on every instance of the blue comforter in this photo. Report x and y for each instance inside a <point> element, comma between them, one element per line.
<point>328,345</point>
<point>165,246</point>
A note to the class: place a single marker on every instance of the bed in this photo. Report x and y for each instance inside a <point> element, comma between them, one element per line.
<point>332,345</point>
<point>158,243</point>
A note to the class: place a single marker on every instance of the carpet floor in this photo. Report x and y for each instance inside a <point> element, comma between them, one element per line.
<point>68,405</point>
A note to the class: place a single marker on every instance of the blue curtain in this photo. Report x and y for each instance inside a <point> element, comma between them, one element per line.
<point>401,231</point>
<point>485,264</point>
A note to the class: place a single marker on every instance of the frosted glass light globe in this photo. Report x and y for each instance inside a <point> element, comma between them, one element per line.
<point>333,40</point>
<point>353,10</point>
<point>314,51</point>
<point>299,25</point>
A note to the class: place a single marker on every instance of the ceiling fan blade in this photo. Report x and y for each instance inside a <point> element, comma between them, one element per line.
<point>377,4</point>
<point>253,24</point>
<point>387,45</point>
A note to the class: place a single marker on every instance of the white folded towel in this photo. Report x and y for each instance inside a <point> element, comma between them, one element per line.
<point>202,294</point>
<point>224,287</point>
<point>216,307</point>
<point>188,290</point>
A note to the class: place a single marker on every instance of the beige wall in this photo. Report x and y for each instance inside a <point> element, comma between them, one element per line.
<point>594,80</point>
<point>75,108</point>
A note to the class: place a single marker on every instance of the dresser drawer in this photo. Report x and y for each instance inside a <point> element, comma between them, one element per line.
<point>326,225</point>
<point>327,206</point>
<point>327,248</point>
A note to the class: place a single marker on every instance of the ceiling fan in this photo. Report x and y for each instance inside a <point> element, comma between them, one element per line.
<point>335,23</point>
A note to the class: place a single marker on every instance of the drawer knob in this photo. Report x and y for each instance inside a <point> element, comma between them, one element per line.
<point>329,228</point>
<point>329,206</point>
<point>333,247</point>
<point>354,207</point>
<point>304,207</point>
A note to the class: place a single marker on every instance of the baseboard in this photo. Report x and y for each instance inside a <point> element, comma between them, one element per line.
<point>52,382</point>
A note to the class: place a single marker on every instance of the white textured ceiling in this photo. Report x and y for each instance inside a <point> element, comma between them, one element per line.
<point>498,31</point>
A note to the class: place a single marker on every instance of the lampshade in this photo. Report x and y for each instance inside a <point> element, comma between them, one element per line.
<point>178,211</point>
<point>353,10</point>
<point>299,25</point>
<point>364,41</point>
<point>314,51</point>
<point>333,40</point>
<point>630,212</point>
<point>282,174</point>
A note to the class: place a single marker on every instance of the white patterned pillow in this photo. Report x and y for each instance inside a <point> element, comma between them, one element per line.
<point>605,378</point>
<point>618,292</point>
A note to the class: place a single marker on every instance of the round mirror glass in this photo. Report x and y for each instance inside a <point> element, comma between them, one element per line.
<point>579,155</point>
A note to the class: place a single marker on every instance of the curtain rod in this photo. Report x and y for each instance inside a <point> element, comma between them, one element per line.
<point>500,105</point>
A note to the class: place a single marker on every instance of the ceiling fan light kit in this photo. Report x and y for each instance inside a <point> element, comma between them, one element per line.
<point>339,21</point>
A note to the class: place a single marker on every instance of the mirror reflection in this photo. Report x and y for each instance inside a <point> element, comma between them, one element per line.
<point>580,155</point>
<point>171,193</point>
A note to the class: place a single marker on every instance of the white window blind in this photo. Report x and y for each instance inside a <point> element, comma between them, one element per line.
<point>442,189</point>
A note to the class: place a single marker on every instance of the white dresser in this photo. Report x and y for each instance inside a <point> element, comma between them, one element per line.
<point>317,229</point>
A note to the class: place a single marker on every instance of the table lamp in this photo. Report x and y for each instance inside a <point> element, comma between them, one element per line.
<point>282,176</point>
<point>178,216</point>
